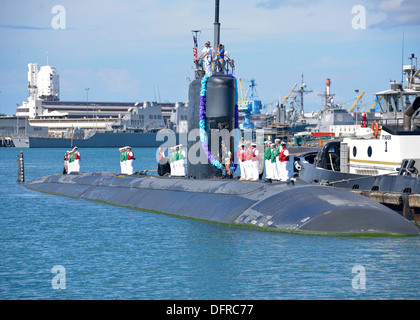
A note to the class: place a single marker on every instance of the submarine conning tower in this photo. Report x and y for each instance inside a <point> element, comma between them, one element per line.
<point>211,111</point>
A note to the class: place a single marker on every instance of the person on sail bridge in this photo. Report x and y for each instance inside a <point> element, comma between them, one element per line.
<point>220,58</point>
<point>207,55</point>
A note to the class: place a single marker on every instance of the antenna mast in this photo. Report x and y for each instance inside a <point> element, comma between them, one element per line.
<point>216,26</point>
<point>301,92</point>
<point>402,60</point>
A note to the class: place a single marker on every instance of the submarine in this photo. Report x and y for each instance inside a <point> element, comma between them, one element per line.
<point>202,195</point>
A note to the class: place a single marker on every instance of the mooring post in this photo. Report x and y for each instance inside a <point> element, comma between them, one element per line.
<point>20,168</point>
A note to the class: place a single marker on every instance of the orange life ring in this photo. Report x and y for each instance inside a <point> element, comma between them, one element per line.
<point>375,128</point>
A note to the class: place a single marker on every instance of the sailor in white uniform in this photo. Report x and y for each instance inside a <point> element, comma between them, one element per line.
<point>255,174</point>
<point>76,162</point>
<point>171,160</point>
<point>241,159</point>
<point>267,158</point>
<point>272,167</point>
<point>129,161</point>
<point>207,56</point>
<point>283,160</point>
<point>277,153</point>
<point>122,159</point>
<point>182,158</point>
<point>248,161</point>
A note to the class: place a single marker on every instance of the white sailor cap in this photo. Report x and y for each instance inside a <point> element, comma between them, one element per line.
<point>277,140</point>
<point>253,144</point>
<point>283,143</point>
<point>272,144</point>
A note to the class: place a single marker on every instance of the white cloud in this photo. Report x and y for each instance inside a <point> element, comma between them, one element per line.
<point>389,5</point>
<point>398,13</point>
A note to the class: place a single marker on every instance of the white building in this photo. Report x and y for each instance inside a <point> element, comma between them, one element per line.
<point>43,85</point>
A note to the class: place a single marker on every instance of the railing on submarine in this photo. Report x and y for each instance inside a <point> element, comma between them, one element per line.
<point>227,68</point>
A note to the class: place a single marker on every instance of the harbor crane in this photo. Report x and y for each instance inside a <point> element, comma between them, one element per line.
<point>356,102</point>
<point>248,103</point>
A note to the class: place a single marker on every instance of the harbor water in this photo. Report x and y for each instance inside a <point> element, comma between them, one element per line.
<point>109,252</point>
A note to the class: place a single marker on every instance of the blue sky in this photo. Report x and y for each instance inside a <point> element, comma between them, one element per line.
<point>141,50</point>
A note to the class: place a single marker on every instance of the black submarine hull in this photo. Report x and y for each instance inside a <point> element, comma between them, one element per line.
<point>301,208</point>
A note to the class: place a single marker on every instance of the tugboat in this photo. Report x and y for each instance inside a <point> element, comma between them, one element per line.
<point>203,196</point>
<point>381,162</point>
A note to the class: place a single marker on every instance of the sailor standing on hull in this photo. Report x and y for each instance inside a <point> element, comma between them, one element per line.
<point>181,155</point>
<point>226,159</point>
<point>129,161</point>
<point>248,161</point>
<point>174,169</point>
<point>241,159</point>
<point>276,154</point>
<point>172,161</point>
<point>177,162</point>
<point>255,163</point>
<point>66,162</point>
<point>123,158</point>
<point>162,162</point>
<point>74,161</point>
<point>284,160</point>
<point>273,167</point>
<point>77,159</point>
<point>267,158</point>
<point>70,163</point>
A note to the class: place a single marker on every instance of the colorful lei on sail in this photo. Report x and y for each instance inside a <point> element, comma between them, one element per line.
<point>202,120</point>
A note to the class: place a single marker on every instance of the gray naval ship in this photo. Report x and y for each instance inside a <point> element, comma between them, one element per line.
<point>203,196</point>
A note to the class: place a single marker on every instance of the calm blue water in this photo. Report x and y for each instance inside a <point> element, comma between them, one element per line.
<point>116,253</point>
